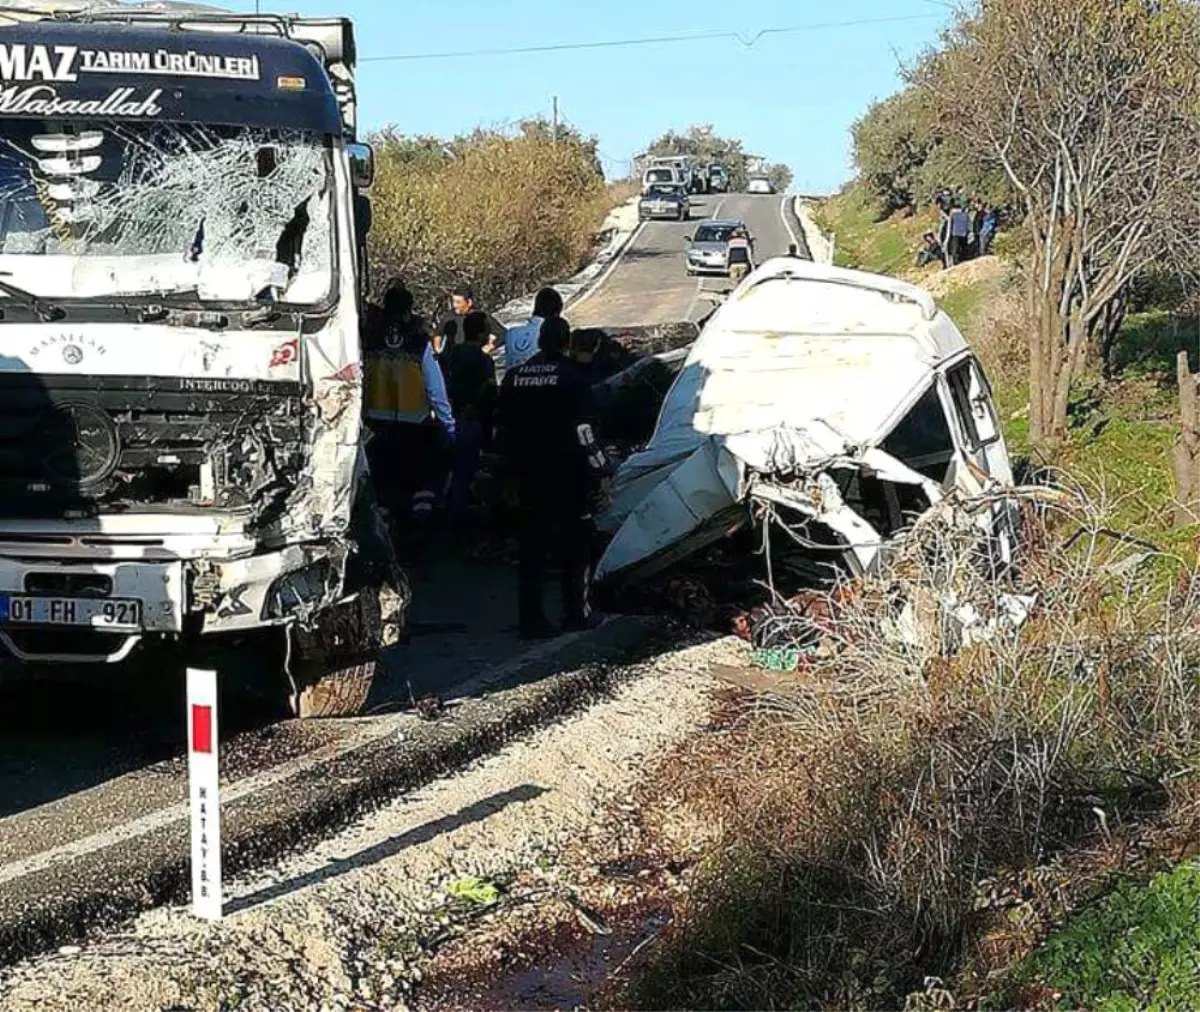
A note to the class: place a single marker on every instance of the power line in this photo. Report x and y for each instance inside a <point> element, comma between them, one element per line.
<point>748,41</point>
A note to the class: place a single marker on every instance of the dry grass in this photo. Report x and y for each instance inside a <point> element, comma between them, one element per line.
<point>881,810</point>
<point>504,214</point>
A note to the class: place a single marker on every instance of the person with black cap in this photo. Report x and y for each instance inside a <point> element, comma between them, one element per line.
<point>409,413</point>
<point>548,440</point>
<point>522,342</point>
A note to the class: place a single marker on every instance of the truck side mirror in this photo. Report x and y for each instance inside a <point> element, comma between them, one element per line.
<point>362,165</point>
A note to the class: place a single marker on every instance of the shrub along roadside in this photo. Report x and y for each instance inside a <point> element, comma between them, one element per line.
<point>891,819</point>
<point>1138,948</point>
<point>504,213</point>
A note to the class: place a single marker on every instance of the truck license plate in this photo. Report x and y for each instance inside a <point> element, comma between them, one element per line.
<point>116,614</point>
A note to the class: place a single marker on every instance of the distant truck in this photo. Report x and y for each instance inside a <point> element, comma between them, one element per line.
<point>661,175</point>
<point>686,172</point>
<point>182,217</point>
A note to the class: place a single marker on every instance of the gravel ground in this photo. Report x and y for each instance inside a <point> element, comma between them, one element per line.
<point>351,924</point>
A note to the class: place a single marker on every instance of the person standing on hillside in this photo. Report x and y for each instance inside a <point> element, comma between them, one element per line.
<point>546,416</point>
<point>960,233</point>
<point>987,230</point>
<point>522,342</point>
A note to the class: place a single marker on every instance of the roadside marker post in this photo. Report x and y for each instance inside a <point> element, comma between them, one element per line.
<point>204,787</point>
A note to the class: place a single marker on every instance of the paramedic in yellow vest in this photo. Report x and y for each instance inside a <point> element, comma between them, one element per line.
<point>407,409</point>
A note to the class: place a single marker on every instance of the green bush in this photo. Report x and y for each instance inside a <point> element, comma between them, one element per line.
<point>1139,948</point>
<point>903,157</point>
<point>892,142</point>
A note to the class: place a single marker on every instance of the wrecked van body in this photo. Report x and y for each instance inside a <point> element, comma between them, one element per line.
<point>180,275</point>
<point>838,404</point>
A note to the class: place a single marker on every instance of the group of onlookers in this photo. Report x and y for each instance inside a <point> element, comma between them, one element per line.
<point>433,407</point>
<point>966,229</point>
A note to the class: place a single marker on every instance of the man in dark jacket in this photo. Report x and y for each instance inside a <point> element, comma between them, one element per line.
<point>472,387</point>
<point>931,250</point>
<point>547,437</point>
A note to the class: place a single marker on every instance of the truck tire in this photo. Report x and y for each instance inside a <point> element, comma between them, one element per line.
<point>334,662</point>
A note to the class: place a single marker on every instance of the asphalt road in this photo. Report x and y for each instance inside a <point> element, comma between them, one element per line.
<point>649,283</point>
<point>97,768</point>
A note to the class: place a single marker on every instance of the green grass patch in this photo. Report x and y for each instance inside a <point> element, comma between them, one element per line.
<point>864,242</point>
<point>962,304</point>
<point>1149,343</point>
<point>1138,948</point>
<point>1132,455</point>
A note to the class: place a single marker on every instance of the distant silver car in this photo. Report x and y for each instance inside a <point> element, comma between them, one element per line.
<point>708,249</point>
<point>760,184</point>
<point>665,201</point>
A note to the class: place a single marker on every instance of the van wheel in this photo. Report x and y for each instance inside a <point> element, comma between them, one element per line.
<point>334,663</point>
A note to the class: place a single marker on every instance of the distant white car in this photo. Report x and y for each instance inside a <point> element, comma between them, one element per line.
<point>760,184</point>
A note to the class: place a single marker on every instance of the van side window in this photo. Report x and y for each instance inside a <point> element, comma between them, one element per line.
<point>922,438</point>
<point>972,403</point>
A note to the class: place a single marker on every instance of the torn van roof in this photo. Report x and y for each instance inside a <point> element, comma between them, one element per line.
<point>803,364</point>
<point>799,341</point>
<point>803,346</point>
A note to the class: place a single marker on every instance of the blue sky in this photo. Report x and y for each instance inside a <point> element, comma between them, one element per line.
<point>791,97</point>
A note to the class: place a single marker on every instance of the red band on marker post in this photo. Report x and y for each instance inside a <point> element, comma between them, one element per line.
<point>203,719</point>
<point>202,729</point>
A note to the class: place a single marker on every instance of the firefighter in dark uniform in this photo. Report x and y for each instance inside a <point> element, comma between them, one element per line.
<point>545,415</point>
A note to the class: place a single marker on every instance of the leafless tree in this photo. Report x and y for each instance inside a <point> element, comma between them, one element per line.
<point>1092,108</point>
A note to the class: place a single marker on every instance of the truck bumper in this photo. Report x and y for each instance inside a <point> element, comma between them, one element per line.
<point>211,596</point>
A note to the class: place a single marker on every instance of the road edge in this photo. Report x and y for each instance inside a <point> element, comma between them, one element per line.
<point>581,284</point>
<point>820,246</point>
<point>48,909</point>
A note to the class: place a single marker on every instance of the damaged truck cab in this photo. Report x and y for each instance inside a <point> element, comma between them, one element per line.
<point>181,266</point>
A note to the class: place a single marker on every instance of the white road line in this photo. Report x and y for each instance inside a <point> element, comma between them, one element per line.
<point>599,282</point>
<point>380,728</point>
<point>700,280</point>
<point>162,817</point>
<point>787,224</point>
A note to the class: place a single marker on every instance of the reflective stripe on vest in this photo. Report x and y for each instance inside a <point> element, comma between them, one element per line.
<point>394,388</point>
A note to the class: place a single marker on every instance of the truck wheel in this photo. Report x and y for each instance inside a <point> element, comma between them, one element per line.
<point>333,664</point>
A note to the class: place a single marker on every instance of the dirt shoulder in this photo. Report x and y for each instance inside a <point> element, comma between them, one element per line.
<point>360,920</point>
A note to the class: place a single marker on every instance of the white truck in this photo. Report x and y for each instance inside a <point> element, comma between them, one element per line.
<point>181,268</point>
<point>682,168</point>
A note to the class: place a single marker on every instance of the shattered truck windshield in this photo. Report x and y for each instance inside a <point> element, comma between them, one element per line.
<point>200,212</point>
